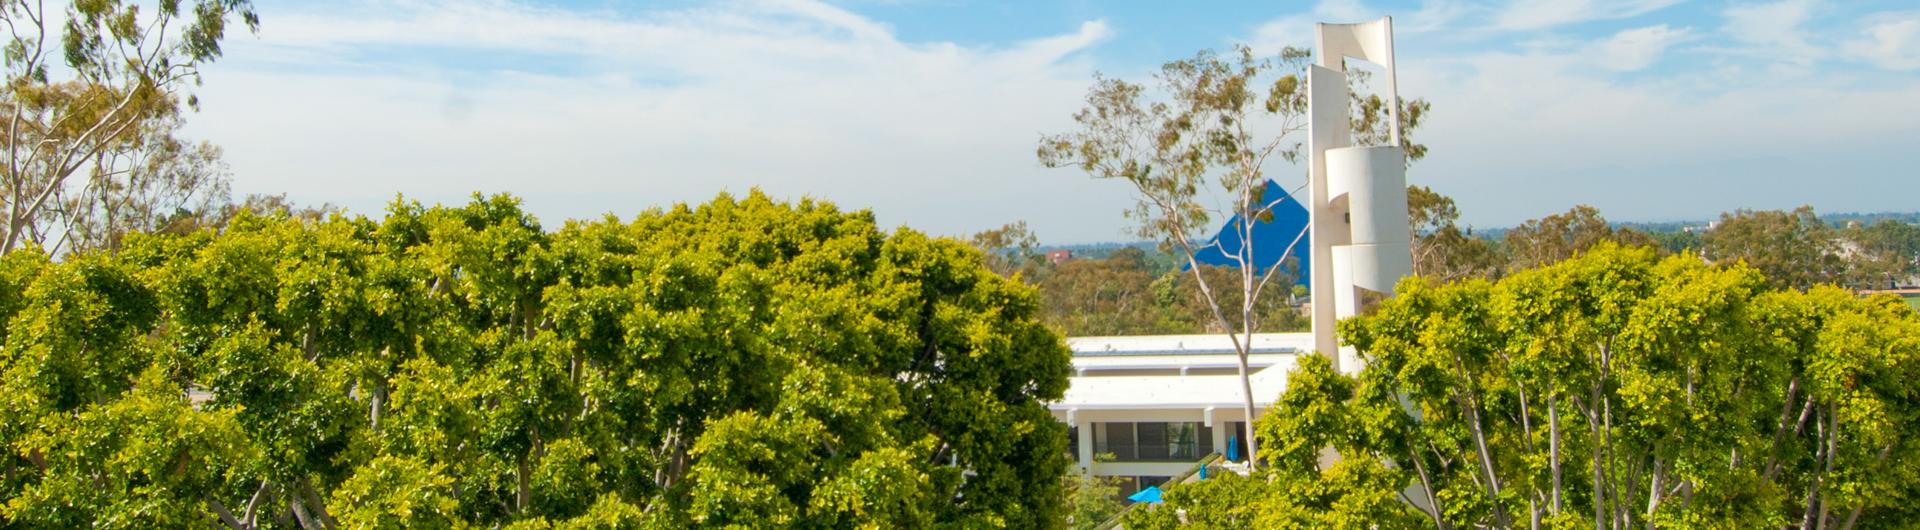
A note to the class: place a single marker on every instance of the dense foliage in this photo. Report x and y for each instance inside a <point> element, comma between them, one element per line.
<point>744,363</point>
<point>95,96</point>
<point>1613,390</point>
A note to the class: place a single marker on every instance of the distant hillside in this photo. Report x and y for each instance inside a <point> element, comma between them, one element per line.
<point>1101,250</point>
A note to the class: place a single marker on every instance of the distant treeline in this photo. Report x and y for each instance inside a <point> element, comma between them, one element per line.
<point>1137,287</point>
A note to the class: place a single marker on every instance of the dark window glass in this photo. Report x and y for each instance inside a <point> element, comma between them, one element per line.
<point>1153,441</point>
<point>1120,441</point>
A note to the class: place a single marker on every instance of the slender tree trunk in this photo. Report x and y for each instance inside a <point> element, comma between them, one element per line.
<point>252,513</point>
<point>1813,489</point>
<point>1833,436</point>
<point>225,515</point>
<point>1780,430</point>
<point>1246,406</point>
<point>376,402</point>
<point>1426,489</point>
<point>319,506</point>
<point>1553,448</point>
<point>301,514</point>
<point>1599,472</point>
<point>1247,326</point>
<point>521,495</point>
<point>1653,491</point>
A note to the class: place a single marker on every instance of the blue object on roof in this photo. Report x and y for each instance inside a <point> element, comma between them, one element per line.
<point>1270,238</point>
<point>1149,495</point>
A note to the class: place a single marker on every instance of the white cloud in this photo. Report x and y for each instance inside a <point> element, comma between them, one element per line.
<point>354,104</point>
<point>1774,30</point>
<point>1638,48</point>
<point>1890,41</point>
<point>1297,29</point>
<point>1523,15</point>
<point>797,98</point>
<point>1522,135</point>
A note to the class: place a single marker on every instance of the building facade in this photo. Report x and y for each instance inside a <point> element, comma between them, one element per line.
<point>1148,407</point>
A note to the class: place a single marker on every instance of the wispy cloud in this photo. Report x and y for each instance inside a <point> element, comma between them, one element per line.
<point>1774,30</point>
<point>1637,48</point>
<point>1297,29</point>
<point>1542,14</point>
<point>1889,40</point>
<point>795,97</point>
<point>582,111</point>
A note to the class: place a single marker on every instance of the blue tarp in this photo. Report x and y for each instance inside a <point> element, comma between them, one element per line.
<point>1149,495</point>
<point>1270,238</point>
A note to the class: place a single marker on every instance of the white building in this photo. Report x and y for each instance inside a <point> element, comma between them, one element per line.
<point>1159,403</point>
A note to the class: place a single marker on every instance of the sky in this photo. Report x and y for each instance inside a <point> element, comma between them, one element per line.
<point>928,112</point>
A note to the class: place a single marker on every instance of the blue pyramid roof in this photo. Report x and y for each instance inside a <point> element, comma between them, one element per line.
<point>1270,237</point>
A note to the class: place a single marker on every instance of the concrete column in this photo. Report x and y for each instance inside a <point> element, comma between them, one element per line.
<point>1086,446</point>
<point>1220,435</point>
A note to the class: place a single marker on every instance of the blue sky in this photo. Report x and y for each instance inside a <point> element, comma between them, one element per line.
<point>927,112</point>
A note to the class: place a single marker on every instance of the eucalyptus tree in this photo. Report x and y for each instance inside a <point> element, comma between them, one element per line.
<point>1218,124</point>
<point>1794,248</point>
<point>93,97</point>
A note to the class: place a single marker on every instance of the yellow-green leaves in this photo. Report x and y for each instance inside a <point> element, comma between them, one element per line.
<point>743,363</point>
<point>1614,390</point>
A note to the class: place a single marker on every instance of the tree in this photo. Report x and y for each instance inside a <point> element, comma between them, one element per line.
<point>1555,238</point>
<point>94,106</point>
<point>1885,254</point>
<point>1616,389</point>
<point>1010,249</point>
<point>1794,249</point>
<point>1441,249</point>
<point>1111,296</point>
<point>743,362</point>
<point>1214,127</point>
<point>1091,500</point>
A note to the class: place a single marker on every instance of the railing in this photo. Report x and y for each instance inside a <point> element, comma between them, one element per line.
<point>1133,452</point>
<point>1184,476</point>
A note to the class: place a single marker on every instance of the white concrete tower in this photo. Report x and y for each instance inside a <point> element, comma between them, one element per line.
<point>1361,242</point>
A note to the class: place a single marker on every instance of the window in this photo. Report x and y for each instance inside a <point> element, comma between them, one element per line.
<point>1153,441</point>
<point>1152,438</point>
<point>1115,438</point>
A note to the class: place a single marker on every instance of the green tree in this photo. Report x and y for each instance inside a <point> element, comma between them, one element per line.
<point>1884,255</point>
<point>1442,250</point>
<point>1615,389</point>
<point>744,362</point>
<point>1794,249</point>
<point>1091,500</point>
<point>1554,238</point>
<point>95,106</point>
<point>1010,249</point>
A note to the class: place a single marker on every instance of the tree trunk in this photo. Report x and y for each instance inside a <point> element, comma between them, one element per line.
<point>1246,395</point>
<point>225,515</point>
<point>521,494</point>
<point>375,402</point>
<point>1426,488</point>
<point>1553,448</point>
<point>1599,494</point>
<point>319,506</point>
